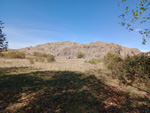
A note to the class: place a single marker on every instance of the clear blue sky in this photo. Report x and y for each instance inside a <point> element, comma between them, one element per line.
<point>32,22</point>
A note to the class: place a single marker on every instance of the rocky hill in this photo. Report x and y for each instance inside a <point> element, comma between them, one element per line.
<point>92,50</point>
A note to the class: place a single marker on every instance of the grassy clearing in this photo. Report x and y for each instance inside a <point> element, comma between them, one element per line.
<point>67,85</point>
<point>64,91</point>
<point>58,65</point>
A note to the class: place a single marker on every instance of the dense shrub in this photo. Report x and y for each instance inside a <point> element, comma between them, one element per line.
<point>111,60</point>
<point>42,57</point>
<point>94,61</point>
<point>80,54</point>
<point>135,69</point>
<point>50,58</point>
<point>37,54</point>
<point>14,54</point>
<point>131,70</point>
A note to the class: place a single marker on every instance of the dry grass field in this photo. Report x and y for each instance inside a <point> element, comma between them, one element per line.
<point>65,86</point>
<point>59,65</point>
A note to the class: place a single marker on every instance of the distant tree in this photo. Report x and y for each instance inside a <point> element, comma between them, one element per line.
<point>3,41</point>
<point>135,16</point>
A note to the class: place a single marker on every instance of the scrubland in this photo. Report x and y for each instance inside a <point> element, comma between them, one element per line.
<point>44,84</point>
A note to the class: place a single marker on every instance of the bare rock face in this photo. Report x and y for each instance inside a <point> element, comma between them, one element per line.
<point>145,54</point>
<point>69,50</point>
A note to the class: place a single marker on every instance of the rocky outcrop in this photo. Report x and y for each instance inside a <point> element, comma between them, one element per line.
<point>92,50</point>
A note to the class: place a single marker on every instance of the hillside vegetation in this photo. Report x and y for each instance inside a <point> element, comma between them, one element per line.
<point>133,70</point>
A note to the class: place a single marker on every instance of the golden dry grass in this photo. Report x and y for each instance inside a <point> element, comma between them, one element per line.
<point>59,65</point>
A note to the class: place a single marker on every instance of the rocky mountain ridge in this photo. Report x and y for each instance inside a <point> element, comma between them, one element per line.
<point>68,50</point>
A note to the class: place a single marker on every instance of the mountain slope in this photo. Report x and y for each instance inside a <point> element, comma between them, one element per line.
<point>92,50</point>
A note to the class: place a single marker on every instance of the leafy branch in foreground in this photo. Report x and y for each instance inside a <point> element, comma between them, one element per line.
<point>135,16</point>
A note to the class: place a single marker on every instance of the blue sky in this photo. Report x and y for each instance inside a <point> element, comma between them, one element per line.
<point>32,22</point>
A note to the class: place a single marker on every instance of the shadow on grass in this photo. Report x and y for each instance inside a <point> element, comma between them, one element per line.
<point>61,91</point>
<point>140,89</point>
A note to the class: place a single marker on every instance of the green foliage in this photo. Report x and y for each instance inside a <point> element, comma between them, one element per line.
<point>136,69</point>
<point>80,54</point>
<point>110,65</point>
<point>3,42</point>
<point>94,61</point>
<point>14,54</point>
<point>132,69</point>
<point>135,16</point>
<point>38,54</point>
<point>111,59</point>
<point>50,58</point>
<point>42,57</point>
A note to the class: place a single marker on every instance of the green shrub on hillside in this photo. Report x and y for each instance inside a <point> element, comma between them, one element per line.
<point>112,57</point>
<point>50,58</point>
<point>14,54</point>
<point>80,54</point>
<point>38,54</point>
<point>94,61</point>
<point>42,57</point>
